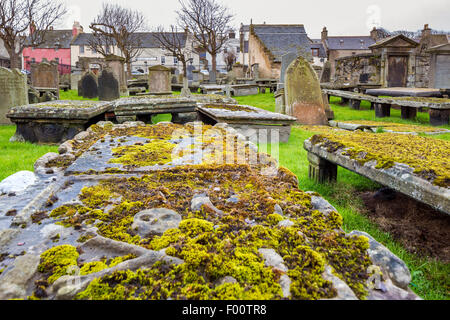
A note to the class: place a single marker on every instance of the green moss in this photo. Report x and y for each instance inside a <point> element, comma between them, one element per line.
<point>92,267</point>
<point>155,152</point>
<point>56,261</point>
<point>426,155</point>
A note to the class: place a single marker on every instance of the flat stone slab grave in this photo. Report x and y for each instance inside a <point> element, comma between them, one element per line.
<point>439,109</point>
<point>142,108</point>
<point>374,126</point>
<point>400,177</point>
<point>252,122</point>
<point>102,212</point>
<point>405,92</point>
<point>55,121</point>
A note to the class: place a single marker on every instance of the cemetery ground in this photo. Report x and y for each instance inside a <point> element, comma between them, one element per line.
<point>417,239</point>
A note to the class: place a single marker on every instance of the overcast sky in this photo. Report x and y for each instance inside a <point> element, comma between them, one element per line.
<point>341,17</point>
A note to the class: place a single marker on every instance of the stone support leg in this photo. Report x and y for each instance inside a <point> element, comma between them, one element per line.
<point>321,170</point>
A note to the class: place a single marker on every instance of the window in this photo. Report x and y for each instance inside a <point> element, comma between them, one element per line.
<point>107,50</point>
<point>81,49</point>
<point>238,49</point>
<point>57,60</point>
<point>315,52</point>
<point>33,60</point>
<point>163,60</point>
<point>175,60</point>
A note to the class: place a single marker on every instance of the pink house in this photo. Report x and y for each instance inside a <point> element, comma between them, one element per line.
<point>56,47</point>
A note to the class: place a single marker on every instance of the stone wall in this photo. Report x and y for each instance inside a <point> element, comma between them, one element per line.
<point>261,55</point>
<point>13,91</point>
<point>361,68</point>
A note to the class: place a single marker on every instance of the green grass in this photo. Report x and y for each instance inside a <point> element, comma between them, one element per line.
<point>430,278</point>
<point>16,156</point>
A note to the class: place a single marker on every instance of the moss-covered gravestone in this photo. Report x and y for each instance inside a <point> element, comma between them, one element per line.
<point>13,91</point>
<point>89,86</point>
<point>303,94</point>
<point>108,86</point>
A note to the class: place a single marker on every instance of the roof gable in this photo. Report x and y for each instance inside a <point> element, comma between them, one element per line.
<point>395,41</point>
<point>282,39</point>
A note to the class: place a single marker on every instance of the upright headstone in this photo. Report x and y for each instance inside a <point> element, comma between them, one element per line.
<point>75,77</point>
<point>326,73</point>
<point>13,91</point>
<point>108,86</point>
<point>89,85</point>
<point>159,79</point>
<point>189,70</point>
<point>116,65</point>
<point>255,71</point>
<point>286,60</point>
<point>45,75</point>
<point>303,94</point>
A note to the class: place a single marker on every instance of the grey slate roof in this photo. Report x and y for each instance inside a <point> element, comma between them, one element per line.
<point>349,43</point>
<point>147,39</point>
<point>54,37</point>
<point>282,39</point>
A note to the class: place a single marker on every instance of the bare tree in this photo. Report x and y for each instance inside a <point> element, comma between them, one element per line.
<point>116,25</point>
<point>176,43</point>
<point>25,23</point>
<point>229,58</point>
<point>209,21</point>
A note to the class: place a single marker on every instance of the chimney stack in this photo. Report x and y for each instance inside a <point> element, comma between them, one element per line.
<point>76,29</point>
<point>374,34</point>
<point>324,34</point>
<point>426,31</point>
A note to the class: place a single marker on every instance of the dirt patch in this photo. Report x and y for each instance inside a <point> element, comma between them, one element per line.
<point>420,228</point>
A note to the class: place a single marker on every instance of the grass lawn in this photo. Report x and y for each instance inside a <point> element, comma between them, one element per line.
<point>430,278</point>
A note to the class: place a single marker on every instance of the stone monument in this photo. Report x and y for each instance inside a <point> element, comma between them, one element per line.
<point>159,79</point>
<point>116,65</point>
<point>303,94</point>
<point>13,91</point>
<point>108,86</point>
<point>286,60</point>
<point>89,86</point>
<point>45,75</point>
<point>326,73</point>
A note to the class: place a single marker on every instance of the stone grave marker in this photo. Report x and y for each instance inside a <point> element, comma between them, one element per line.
<point>45,75</point>
<point>116,65</point>
<point>326,73</point>
<point>89,86</point>
<point>159,79</point>
<point>286,60</point>
<point>303,94</point>
<point>108,86</point>
<point>13,91</point>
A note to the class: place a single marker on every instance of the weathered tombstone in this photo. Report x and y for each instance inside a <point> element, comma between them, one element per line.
<point>326,73</point>
<point>75,77</point>
<point>189,69</point>
<point>13,91</point>
<point>116,65</point>
<point>45,75</point>
<point>286,60</point>
<point>303,94</point>
<point>185,91</point>
<point>255,71</point>
<point>159,79</point>
<point>80,87</point>
<point>89,85</point>
<point>108,86</point>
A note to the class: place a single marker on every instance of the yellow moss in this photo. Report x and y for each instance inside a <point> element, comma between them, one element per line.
<point>57,260</point>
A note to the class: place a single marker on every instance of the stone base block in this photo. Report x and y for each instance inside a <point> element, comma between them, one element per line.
<point>408,112</point>
<point>439,117</point>
<point>355,104</point>
<point>321,170</point>
<point>382,110</point>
